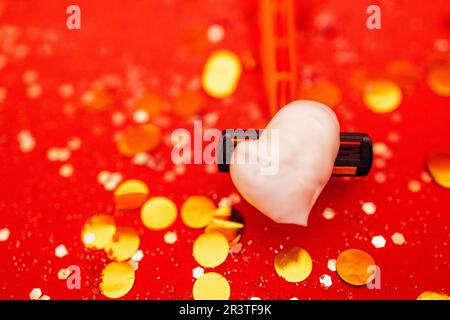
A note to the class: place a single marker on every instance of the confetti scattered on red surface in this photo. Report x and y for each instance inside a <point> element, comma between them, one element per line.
<point>53,147</point>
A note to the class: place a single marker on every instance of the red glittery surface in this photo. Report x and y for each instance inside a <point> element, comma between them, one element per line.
<point>161,45</point>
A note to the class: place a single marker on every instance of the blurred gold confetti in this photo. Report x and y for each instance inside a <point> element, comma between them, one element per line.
<point>131,194</point>
<point>139,138</point>
<point>123,245</point>
<point>188,103</point>
<point>211,286</point>
<point>97,99</point>
<point>4,234</point>
<point>117,279</point>
<point>158,213</point>
<point>328,213</point>
<point>323,91</point>
<point>228,222</point>
<point>352,266</point>
<point>439,78</point>
<point>221,73</point>
<point>98,231</point>
<point>197,211</point>
<point>404,73</point>
<point>151,103</point>
<point>293,264</point>
<point>439,166</point>
<point>210,249</point>
<point>382,96</point>
<point>433,295</point>
<point>414,186</point>
<point>398,238</point>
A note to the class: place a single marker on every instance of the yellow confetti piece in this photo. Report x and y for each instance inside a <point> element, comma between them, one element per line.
<point>197,211</point>
<point>382,96</point>
<point>433,295</point>
<point>210,249</point>
<point>123,245</point>
<point>323,91</point>
<point>228,222</point>
<point>158,213</point>
<point>439,78</point>
<point>211,286</point>
<point>188,103</point>
<point>139,138</point>
<point>131,194</point>
<point>221,74</point>
<point>117,279</point>
<point>352,265</point>
<point>439,166</point>
<point>98,231</point>
<point>293,264</point>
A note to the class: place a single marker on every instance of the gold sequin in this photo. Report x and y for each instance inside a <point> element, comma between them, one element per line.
<point>197,211</point>
<point>131,194</point>
<point>433,295</point>
<point>221,74</point>
<point>98,231</point>
<point>139,138</point>
<point>439,166</point>
<point>382,96</point>
<point>439,78</point>
<point>117,279</point>
<point>158,213</point>
<point>188,103</point>
<point>123,245</point>
<point>210,249</point>
<point>211,286</point>
<point>228,222</point>
<point>293,264</point>
<point>352,265</point>
<point>323,91</point>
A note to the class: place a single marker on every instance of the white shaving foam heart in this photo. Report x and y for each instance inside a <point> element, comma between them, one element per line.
<point>295,158</point>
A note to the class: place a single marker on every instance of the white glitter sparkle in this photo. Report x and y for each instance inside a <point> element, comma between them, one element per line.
<point>44,297</point>
<point>398,238</point>
<point>331,265</point>
<point>378,241</point>
<point>138,255</point>
<point>89,238</point>
<point>170,237</point>
<point>293,298</point>
<point>215,33</point>
<point>414,186</point>
<point>35,294</point>
<point>140,116</point>
<point>134,264</point>
<point>66,170</point>
<point>369,208</point>
<point>328,213</point>
<point>26,141</point>
<point>4,234</point>
<point>255,298</point>
<point>197,272</point>
<point>61,251</point>
<point>63,274</point>
<point>325,281</point>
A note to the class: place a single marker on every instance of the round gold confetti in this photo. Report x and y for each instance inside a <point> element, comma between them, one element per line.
<point>151,103</point>
<point>323,91</point>
<point>439,78</point>
<point>97,99</point>
<point>211,286</point>
<point>433,295</point>
<point>197,211</point>
<point>98,231</point>
<point>210,249</point>
<point>293,264</point>
<point>382,96</point>
<point>117,279</point>
<point>158,213</point>
<point>352,266</point>
<point>123,245</point>
<point>439,166</point>
<point>221,73</point>
<point>131,194</point>
<point>139,138</point>
<point>188,103</point>
<point>228,222</point>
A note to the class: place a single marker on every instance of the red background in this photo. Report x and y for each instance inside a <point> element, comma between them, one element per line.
<point>166,41</point>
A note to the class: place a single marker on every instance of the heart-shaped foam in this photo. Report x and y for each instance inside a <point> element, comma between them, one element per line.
<point>295,158</point>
